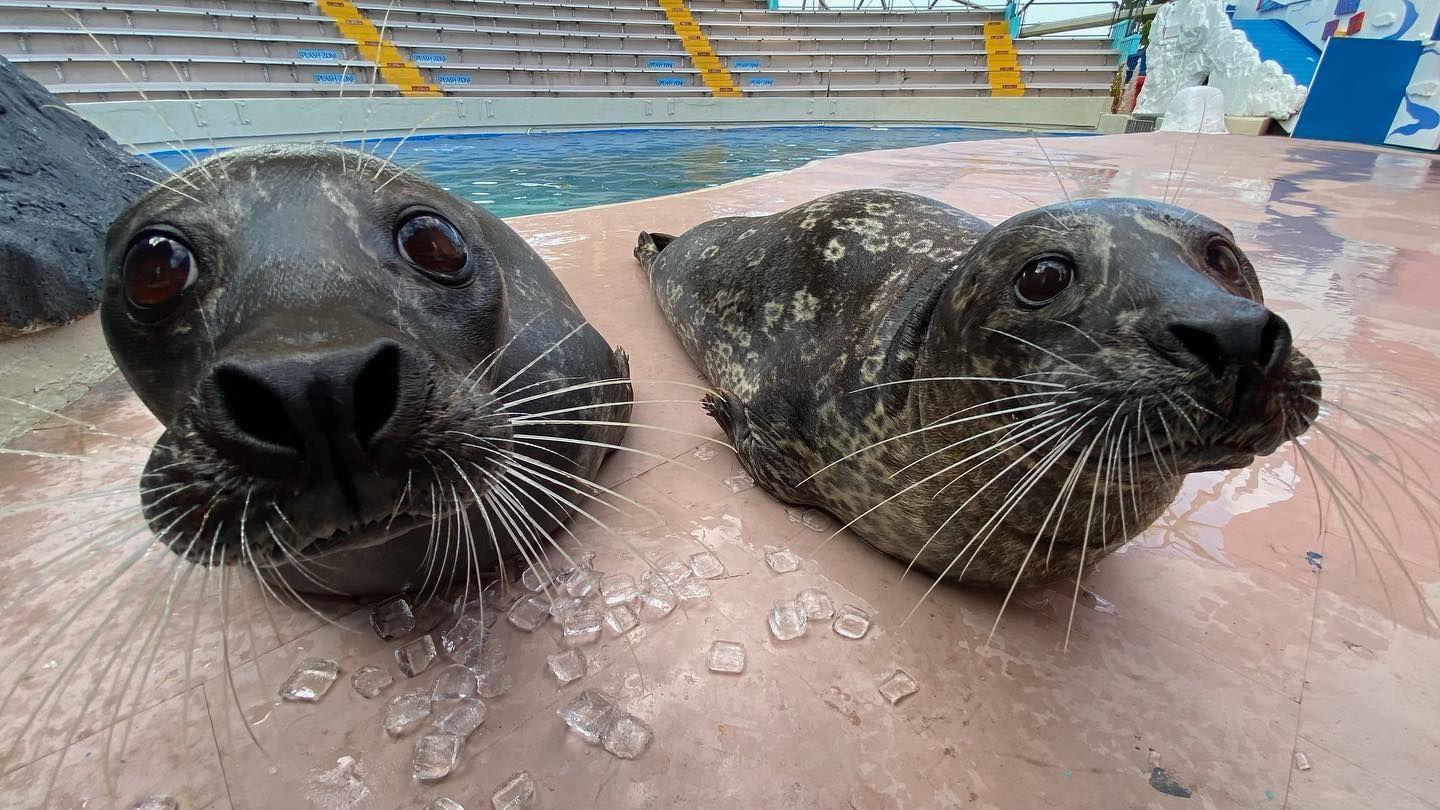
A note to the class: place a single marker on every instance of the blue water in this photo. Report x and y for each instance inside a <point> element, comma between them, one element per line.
<point>516,174</point>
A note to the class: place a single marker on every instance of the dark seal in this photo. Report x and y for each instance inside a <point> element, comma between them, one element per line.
<point>994,405</point>
<point>366,383</point>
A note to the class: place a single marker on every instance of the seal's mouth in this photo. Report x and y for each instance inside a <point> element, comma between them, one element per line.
<point>352,538</point>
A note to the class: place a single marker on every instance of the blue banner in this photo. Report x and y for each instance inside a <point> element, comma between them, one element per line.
<point>317,54</point>
<point>670,81</point>
<point>452,79</point>
<point>747,64</point>
<point>334,78</point>
<point>429,58</point>
<point>660,64</point>
<point>760,81</point>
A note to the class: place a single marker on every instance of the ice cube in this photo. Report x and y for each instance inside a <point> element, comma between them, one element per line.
<point>626,736</point>
<point>781,560</point>
<point>405,712</point>
<point>788,620</point>
<point>812,519</point>
<point>481,656</point>
<point>158,801</point>
<point>692,589</point>
<point>494,684</point>
<point>727,656</point>
<point>415,657</point>
<point>392,619</point>
<point>516,793</point>
<point>310,680</point>
<point>459,717</point>
<point>561,608</point>
<point>435,757</point>
<point>621,619</point>
<point>739,482</point>
<point>673,570</point>
<point>567,666</point>
<point>581,582</point>
<point>617,589</point>
<point>705,452</point>
<point>1302,762</point>
<point>455,682</point>
<point>898,686</point>
<point>531,612</point>
<point>706,565</point>
<point>817,603</point>
<point>851,622</point>
<point>571,560</point>
<point>656,603</point>
<point>464,629</point>
<point>583,627</point>
<point>443,803</point>
<point>588,714</point>
<point>537,577</point>
<point>369,681</point>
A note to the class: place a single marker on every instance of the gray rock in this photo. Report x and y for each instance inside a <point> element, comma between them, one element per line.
<point>62,181</point>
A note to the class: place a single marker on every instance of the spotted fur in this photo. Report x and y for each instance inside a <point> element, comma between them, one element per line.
<point>822,326</point>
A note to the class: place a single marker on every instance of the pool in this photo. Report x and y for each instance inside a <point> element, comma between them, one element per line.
<point>517,174</point>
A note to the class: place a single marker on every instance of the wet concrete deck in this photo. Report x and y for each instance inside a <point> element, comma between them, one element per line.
<point>1211,640</point>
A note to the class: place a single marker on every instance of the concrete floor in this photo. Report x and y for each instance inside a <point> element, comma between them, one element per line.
<point>1205,655</point>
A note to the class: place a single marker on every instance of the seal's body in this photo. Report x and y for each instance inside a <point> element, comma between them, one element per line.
<point>366,383</point>
<point>996,404</point>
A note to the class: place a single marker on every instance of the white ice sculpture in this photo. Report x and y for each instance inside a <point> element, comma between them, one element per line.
<point>1192,40</point>
<point>1196,109</point>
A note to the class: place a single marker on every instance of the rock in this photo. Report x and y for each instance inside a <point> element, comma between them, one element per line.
<point>63,180</point>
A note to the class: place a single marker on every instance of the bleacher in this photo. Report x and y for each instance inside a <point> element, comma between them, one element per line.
<point>90,50</point>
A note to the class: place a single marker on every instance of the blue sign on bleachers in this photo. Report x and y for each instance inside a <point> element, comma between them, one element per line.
<point>760,81</point>
<point>317,53</point>
<point>670,81</point>
<point>429,58</point>
<point>334,78</point>
<point>660,64</point>
<point>452,79</point>
<point>746,64</point>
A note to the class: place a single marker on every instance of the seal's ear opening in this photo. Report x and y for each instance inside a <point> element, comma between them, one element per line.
<point>649,246</point>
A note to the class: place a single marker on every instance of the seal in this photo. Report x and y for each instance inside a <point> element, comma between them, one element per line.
<point>366,383</point>
<point>996,406</point>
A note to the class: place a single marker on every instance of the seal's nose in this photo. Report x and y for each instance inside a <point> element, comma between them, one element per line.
<point>342,408</point>
<point>1246,337</point>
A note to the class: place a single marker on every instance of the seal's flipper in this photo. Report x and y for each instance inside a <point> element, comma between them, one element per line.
<point>751,439</point>
<point>620,360</point>
<point>649,246</point>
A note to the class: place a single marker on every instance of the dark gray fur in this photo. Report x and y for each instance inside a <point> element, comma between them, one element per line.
<point>298,257</point>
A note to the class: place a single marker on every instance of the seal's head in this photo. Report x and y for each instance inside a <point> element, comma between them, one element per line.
<point>315,330</point>
<point>1139,322</point>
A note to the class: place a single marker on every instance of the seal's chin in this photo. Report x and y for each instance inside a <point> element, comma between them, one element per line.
<point>365,535</point>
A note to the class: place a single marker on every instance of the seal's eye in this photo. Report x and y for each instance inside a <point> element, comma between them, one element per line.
<point>158,270</point>
<point>1223,259</point>
<point>1042,279</point>
<point>434,246</point>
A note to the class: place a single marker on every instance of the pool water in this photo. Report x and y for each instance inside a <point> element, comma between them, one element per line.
<point>517,174</point>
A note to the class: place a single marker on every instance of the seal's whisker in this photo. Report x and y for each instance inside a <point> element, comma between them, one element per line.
<point>1017,493</point>
<point>924,429</point>
<point>1038,347</point>
<point>1068,489</point>
<point>1009,426</point>
<point>1060,182</point>
<point>1077,330</point>
<point>608,423</point>
<point>1015,380</point>
<point>495,391</point>
<point>540,468</point>
<point>522,416</point>
<point>1356,523</point>
<point>1424,503</point>
<point>1069,419</point>
<point>1084,547</point>
<point>401,142</point>
<point>600,384</point>
<point>154,109</point>
<point>1075,436</point>
<point>226,660</point>
<point>135,152</point>
<point>537,384</point>
<point>165,185</point>
<point>10,451</point>
<point>374,77</point>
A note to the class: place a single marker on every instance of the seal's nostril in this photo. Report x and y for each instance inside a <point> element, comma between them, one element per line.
<point>255,410</point>
<point>1275,344</point>
<point>1247,338</point>
<point>377,393</point>
<point>1202,345</point>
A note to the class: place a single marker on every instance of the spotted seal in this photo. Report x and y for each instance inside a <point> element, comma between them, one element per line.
<point>996,405</point>
<point>363,380</point>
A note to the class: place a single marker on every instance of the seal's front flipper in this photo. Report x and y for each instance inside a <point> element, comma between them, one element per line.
<point>621,395</point>
<point>649,246</point>
<point>750,437</point>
